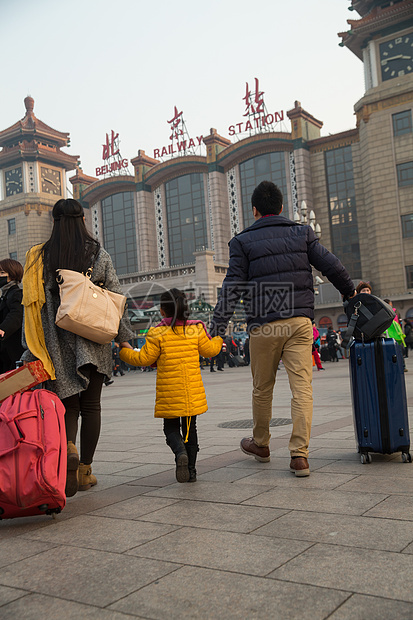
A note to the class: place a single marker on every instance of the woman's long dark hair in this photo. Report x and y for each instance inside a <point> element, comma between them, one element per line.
<point>175,305</point>
<point>70,245</point>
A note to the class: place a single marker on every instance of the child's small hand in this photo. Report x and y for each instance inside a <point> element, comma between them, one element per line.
<point>125,345</point>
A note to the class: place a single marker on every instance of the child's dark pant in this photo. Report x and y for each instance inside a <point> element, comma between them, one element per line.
<point>173,425</point>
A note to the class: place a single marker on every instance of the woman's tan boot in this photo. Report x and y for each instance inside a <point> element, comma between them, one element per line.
<point>86,478</point>
<point>72,477</point>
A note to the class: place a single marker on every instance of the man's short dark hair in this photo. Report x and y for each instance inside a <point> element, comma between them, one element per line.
<point>267,198</point>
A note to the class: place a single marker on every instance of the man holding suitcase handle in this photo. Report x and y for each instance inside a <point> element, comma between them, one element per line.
<point>270,265</point>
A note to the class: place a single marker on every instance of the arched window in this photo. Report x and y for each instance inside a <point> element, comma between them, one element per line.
<point>266,167</point>
<point>342,320</point>
<point>325,321</point>
<point>119,231</point>
<point>186,218</point>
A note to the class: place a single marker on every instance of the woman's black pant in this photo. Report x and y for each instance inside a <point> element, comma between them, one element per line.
<point>173,425</point>
<point>87,405</point>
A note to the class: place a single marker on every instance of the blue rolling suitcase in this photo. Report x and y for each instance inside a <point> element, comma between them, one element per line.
<point>379,398</point>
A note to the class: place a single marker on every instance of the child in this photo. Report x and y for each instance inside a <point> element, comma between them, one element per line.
<point>175,344</point>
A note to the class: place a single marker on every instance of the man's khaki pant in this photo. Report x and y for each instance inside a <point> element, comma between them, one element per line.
<point>291,340</point>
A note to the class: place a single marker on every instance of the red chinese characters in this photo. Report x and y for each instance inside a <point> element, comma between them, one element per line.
<point>111,147</point>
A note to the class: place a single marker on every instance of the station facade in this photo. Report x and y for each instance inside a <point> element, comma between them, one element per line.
<point>168,223</point>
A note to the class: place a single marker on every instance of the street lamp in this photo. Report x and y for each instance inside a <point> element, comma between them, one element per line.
<point>311,217</point>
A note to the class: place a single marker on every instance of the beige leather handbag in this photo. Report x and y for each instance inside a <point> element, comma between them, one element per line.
<point>86,309</point>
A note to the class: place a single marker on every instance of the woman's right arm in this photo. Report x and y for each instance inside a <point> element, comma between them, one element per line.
<point>112,283</point>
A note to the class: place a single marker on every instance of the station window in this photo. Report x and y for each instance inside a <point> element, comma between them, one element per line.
<point>405,174</point>
<point>13,255</point>
<point>267,167</point>
<point>12,226</point>
<point>409,276</point>
<point>325,321</point>
<point>407,225</point>
<point>119,231</point>
<point>343,208</point>
<point>186,218</point>
<point>402,123</point>
<point>342,320</point>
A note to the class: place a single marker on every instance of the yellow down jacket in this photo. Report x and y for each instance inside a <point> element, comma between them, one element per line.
<point>179,388</point>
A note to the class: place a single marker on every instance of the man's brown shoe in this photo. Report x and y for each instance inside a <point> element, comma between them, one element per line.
<point>299,466</point>
<point>261,453</point>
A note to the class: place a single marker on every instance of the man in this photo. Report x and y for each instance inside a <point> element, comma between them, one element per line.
<point>270,265</point>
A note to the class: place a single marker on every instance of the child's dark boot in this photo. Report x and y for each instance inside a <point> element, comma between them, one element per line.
<point>176,443</point>
<point>192,451</point>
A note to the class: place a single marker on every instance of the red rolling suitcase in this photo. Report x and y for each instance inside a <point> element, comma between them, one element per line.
<point>33,451</point>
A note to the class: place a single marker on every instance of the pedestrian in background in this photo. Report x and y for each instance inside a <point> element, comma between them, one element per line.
<point>11,314</point>
<point>332,344</point>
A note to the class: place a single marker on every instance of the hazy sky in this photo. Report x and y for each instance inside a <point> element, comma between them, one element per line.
<point>97,65</point>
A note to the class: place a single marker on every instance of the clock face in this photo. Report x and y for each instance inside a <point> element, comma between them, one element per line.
<point>14,181</point>
<point>51,182</point>
<point>396,57</point>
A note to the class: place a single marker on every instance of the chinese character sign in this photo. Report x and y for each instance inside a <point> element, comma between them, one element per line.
<point>175,123</point>
<point>257,105</point>
<point>111,147</point>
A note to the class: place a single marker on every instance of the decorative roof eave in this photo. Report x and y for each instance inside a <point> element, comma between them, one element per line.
<point>20,152</point>
<point>144,159</point>
<point>81,177</point>
<point>338,139</point>
<point>262,142</point>
<point>175,167</point>
<point>372,23</point>
<point>32,126</point>
<point>299,112</point>
<point>108,187</point>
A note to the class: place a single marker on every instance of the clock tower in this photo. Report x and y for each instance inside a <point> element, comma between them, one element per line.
<point>383,40</point>
<point>32,178</point>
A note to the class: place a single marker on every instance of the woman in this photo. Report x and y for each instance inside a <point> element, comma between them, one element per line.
<point>11,314</point>
<point>77,366</point>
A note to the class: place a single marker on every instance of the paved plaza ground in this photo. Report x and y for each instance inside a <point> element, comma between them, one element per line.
<point>248,540</point>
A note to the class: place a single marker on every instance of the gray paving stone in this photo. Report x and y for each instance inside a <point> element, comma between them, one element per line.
<point>222,550</point>
<point>37,606</point>
<point>278,478</point>
<point>379,573</point>
<point>390,468</point>
<point>226,492</point>
<point>11,528</point>
<point>15,549</point>
<point>142,471</point>
<point>214,516</point>
<point>133,508</point>
<point>279,463</point>
<point>360,607</point>
<point>374,484</point>
<point>394,507</point>
<point>334,453</point>
<point>346,530</point>
<point>112,456</point>
<point>201,593</point>
<point>299,498</point>
<point>84,575</point>
<point>323,442</point>
<point>7,595</point>
<point>224,474</point>
<point>101,533</point>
